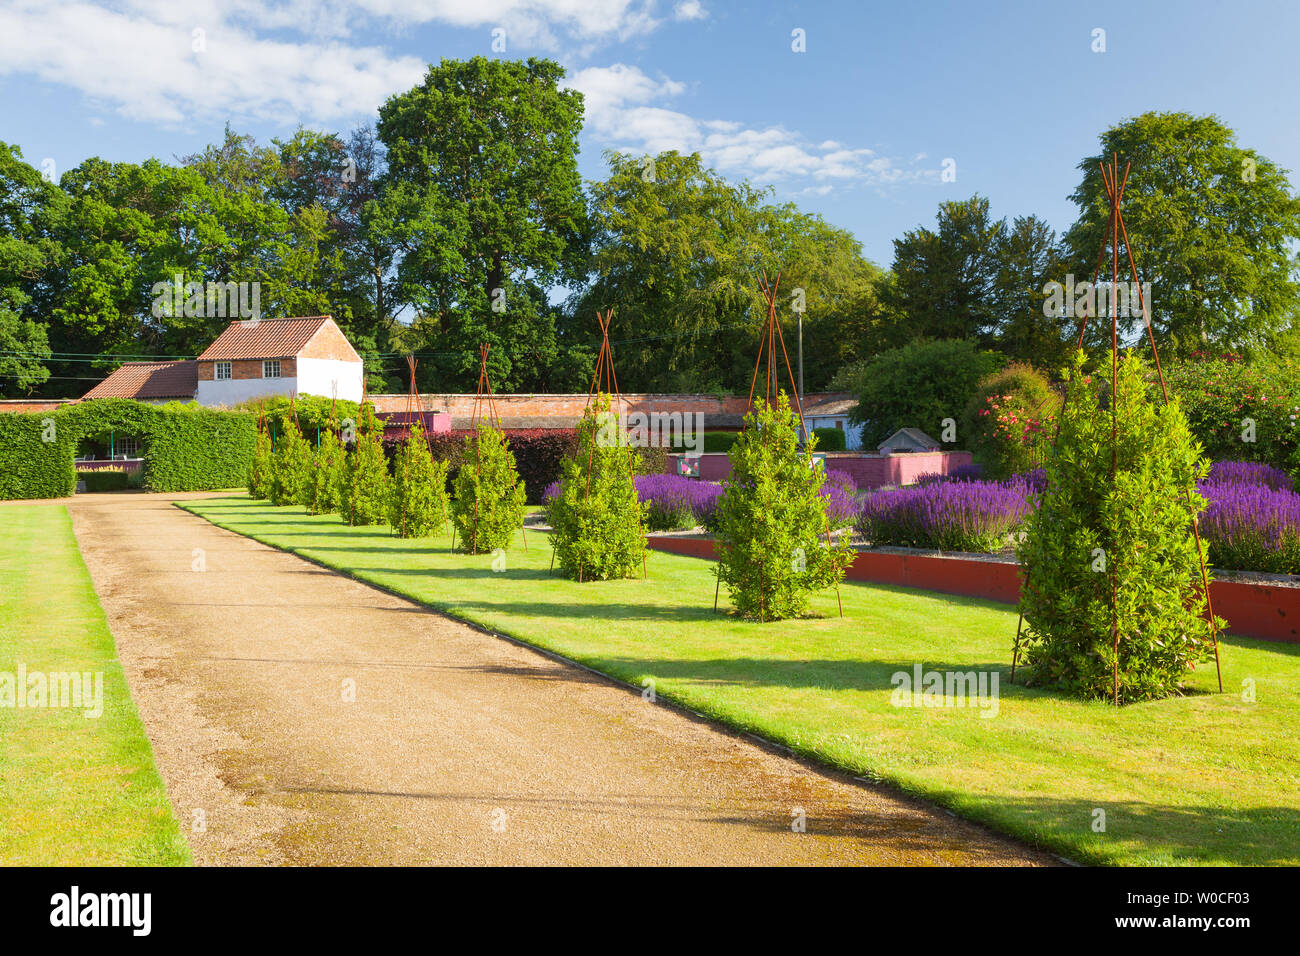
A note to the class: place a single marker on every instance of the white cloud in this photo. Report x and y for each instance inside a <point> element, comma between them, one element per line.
<point>622,110</point>
<point>689,10</point>
<point>284,60</point>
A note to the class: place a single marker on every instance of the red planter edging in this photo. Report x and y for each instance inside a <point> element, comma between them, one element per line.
<point>1251,609</point>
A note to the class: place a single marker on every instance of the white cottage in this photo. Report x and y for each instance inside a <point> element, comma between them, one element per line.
<point>258,359</point>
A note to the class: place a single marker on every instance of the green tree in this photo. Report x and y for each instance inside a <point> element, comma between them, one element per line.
<point>483,207</point>
<point>918,386</point>
<point>364,483</point>
<point>773,539</point>
<point>1028,256</point>
<point>326,466</point>
<point>30,212</point>
<point>291,468</point>
<point>1127,537</point>
<point>418,506</point>
<point>678,249</point>
<point>598,520</point>
<point>1213,228</point>
<point>488,504</point>
<point>945,280</point>
<point>262,469</point>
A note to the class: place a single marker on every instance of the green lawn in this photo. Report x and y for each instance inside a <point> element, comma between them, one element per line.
<point>74,790</point>
<point>1204,779</point>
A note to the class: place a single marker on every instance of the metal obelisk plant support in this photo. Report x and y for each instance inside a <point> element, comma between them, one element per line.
<point>1115,195</point>
<point>605,379</point>
<point>356,442</point>
<point>413,406</point>
<point>483,402</point>
<point>772,337</point>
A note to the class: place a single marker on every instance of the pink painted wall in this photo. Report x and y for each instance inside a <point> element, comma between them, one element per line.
<point>1262,610</point>
<point>869,471</point>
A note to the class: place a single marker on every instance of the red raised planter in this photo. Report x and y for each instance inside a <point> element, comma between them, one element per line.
<point>1251,608</point>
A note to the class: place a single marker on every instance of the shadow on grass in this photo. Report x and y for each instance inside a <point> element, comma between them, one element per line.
<point>804,674</point>
<point>1259,836</point>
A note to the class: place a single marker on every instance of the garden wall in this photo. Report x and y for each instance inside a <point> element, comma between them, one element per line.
<point>869,471</point>
<point>1251,608</point>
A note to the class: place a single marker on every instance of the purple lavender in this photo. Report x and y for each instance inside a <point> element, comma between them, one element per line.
<point>677,502</point>
<point>948,515</point>
<point>1251,527</point>
<point>1248,473</point>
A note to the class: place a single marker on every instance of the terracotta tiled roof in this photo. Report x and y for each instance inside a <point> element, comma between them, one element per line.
<point>150,380</point>
<point>265,339</point>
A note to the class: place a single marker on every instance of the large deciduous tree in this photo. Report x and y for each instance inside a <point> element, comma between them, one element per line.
<point>30,210</point>
<point>1212,226</point>
<point>485,210</point>
<point>677,253</point>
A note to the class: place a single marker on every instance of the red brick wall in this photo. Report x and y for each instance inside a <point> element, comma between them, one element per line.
<point>869,471</point>
<point>555,406</point>
<point>330,343</point>
<point>246,368</point>
<point>1255,609</point>
<point>20,405</point>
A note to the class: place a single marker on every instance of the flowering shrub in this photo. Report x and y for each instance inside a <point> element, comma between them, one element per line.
<point>960,473</point>
<point>1240,411</point>
<point>1010,420</point>
<point>675,503</point>
<point>948,515</point>
<point>1035,480</point>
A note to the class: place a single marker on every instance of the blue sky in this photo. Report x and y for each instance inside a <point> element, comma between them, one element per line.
<point>856,127</point>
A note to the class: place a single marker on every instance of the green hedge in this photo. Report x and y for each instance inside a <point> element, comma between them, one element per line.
<point>36,452</point>
<point>186,447</point>
<point>105,479</point>
<point>191,448</point>
<point>830,439</point>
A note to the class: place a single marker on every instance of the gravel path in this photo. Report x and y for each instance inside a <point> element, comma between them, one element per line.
<point>300,717</point>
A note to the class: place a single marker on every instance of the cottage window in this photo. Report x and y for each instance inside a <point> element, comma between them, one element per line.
<point>223,371</point>
<point>271,368</point>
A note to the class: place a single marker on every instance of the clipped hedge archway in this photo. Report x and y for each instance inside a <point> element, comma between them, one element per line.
<point>185,447</point>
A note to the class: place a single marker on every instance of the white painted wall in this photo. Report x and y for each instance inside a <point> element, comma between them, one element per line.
<point>315,377</point>
<point>321,376</point>
<point>234,390</point>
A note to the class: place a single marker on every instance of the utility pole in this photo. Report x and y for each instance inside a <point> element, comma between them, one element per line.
<point>800,320</point>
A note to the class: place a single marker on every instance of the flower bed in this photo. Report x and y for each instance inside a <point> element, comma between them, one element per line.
<point>1247,473</point>
<point>948,515</point>
<point>677,503</point>
<point>1251,527</point>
